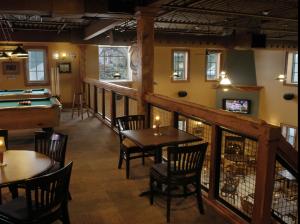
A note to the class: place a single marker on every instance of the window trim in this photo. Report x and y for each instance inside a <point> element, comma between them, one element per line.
<point>289,68</point>
<point>46,64</point>
<point>220,65</point>
<point>296,133</point>
<point>187,64</point>
<point>129,70</point>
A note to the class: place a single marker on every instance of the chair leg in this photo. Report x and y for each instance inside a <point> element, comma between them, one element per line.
<point>81,106</point>
<point>168,203</point>
<point>127,165</point>
<point>14,191</point>
<point>120,160</point>
<point>151,190</point>
<point>199,197</point>
<point>65,215</point>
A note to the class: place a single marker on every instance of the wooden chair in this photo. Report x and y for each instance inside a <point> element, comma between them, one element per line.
<point>53,145</point>
<point>183,168</point>
<point>128,149</point>
<point>45,201</point>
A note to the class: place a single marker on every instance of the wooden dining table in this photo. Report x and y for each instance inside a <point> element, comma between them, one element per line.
<point>22,164</point>
<point>149,139</point>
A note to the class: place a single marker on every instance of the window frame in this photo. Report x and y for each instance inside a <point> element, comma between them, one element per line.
<point>46,81</point>
<point>220,66</point>
<point>287,126</point>
<point>187,64</point>
<point>129,70</point>
<point>289,62</point>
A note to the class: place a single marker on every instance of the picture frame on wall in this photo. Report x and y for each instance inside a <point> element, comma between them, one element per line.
<point>64,67</point>
<point>11,68</point>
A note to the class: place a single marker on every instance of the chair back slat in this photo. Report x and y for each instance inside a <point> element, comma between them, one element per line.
<point>131,122</point>
<point>45,193</point>
<point>53,145</point>
<point>187,160</point>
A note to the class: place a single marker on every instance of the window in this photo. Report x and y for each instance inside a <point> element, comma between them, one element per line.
<point>213,65</point>
<point>180,65</point>
<point>290,134</point>
<point>292,68</point>
<point>113,62</point>
<point>37,67</point>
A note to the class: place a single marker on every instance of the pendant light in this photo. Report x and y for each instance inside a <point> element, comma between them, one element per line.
<point>20,52</point>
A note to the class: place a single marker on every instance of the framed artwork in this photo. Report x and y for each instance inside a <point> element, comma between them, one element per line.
<point>64,67</point>
<point>11,68</point>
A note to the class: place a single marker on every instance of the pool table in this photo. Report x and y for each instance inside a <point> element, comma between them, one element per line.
<point>24,94</point>
<point>42,113</point>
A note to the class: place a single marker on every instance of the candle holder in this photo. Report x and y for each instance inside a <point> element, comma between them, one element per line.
<point>157,130</point>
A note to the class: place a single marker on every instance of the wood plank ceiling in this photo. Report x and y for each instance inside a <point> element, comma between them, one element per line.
<point>277,19</point>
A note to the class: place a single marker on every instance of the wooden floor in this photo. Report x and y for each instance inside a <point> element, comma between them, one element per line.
<point>101,193</point>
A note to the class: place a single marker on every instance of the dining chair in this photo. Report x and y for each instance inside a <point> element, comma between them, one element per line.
<point>183,168</point>
<point>54,146</point>
<point>128,149</point>
<point>230,187</point>
<point>45,200</point>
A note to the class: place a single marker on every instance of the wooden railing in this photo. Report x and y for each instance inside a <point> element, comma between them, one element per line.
<point>264,144</point>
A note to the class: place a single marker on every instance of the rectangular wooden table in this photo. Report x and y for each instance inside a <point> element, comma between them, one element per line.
<point>146,139</point>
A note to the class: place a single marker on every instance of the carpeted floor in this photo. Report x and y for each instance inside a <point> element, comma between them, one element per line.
<point>101,193</point>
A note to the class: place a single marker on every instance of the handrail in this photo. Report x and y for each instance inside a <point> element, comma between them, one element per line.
<point>251,126</point>
<point>269,139</point>
<point>132,93</point>
<point>288,153</point>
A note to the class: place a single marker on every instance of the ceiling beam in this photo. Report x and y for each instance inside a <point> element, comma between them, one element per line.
<point>222,12</point>
<point>158,3</point>
<point>225,26</point>
<point>99,27</point>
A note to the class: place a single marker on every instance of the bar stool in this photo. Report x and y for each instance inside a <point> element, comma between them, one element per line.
<point>79,104</point>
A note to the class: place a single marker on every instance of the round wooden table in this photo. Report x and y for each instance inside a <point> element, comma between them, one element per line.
<point>22,164</point>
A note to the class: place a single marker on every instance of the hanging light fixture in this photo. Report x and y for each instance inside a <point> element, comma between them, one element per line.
<point>20,52</point>
<point>3,56</point>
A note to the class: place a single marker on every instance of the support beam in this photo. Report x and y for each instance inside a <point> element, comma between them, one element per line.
<point>145,45</point>
<point>100,27</point>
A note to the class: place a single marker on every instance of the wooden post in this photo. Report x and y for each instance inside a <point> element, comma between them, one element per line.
<point>145,44</point>
<point>175,118</point>
<point>89,95</point>
<point>215,148</point>
<point>126,105</point>
<point>265,169</point>
<point>95,100</point>
<point>103,103</point>
<point>113,109</point>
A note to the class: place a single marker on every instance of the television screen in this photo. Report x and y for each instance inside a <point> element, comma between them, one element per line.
<point>237,105</point>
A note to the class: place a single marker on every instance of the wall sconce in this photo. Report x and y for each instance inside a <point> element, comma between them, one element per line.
<point>281,78</point>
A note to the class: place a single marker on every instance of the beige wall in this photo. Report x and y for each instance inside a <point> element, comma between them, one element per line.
<point>273,108</point>
<point>68,81</point>
<point>199,91</point>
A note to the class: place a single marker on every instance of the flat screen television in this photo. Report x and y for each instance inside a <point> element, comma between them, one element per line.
<point>237,105</point>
